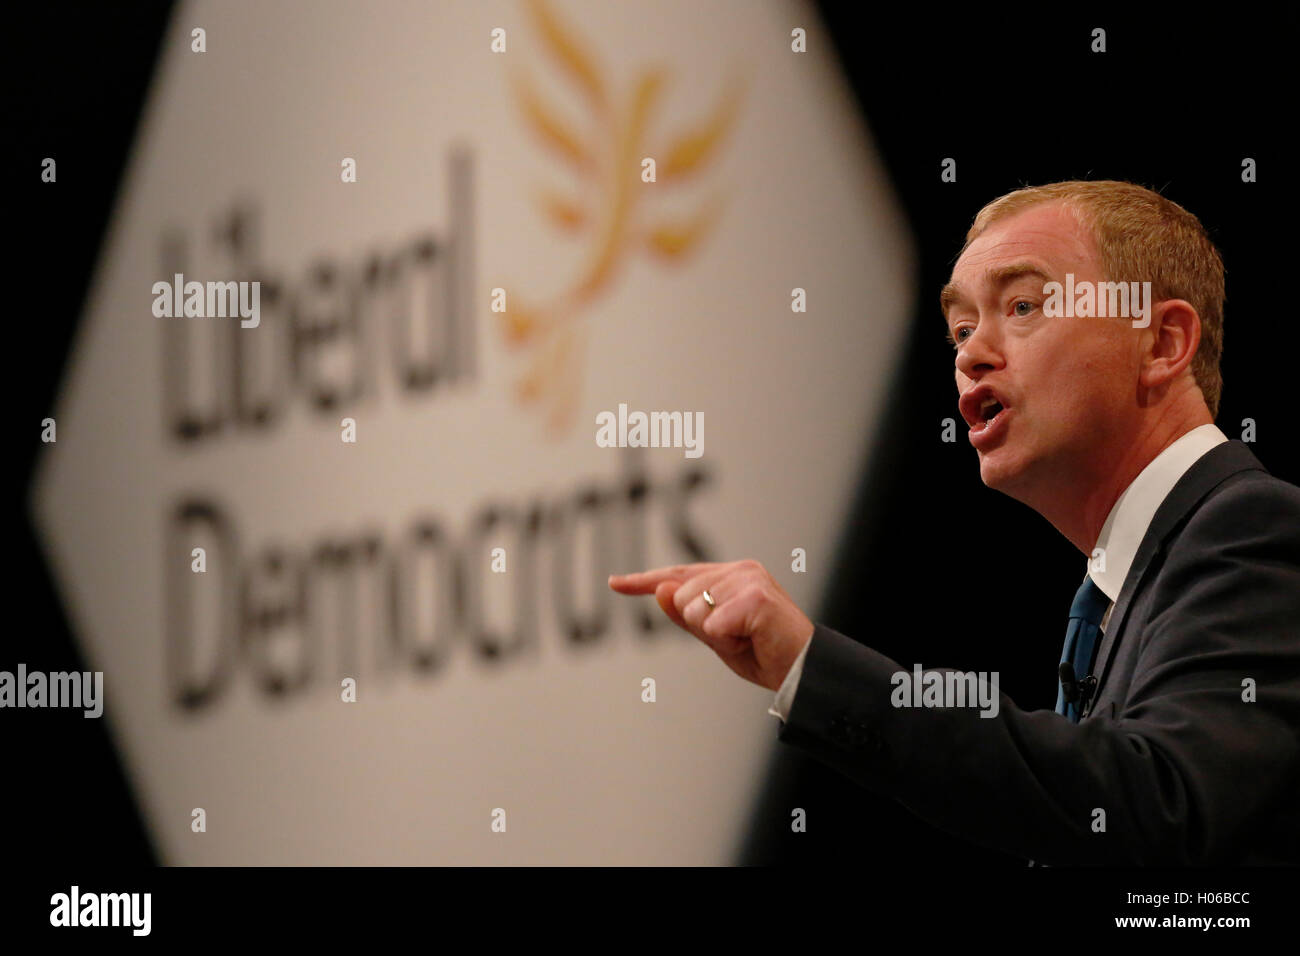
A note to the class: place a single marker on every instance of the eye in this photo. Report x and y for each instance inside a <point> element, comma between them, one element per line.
<point>1015,306</point>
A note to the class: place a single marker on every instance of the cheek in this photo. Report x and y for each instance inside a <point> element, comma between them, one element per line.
<point>1086,366</point>
<point>1088,392</point>
<point>1111,373</point>
<point>1062,391</point>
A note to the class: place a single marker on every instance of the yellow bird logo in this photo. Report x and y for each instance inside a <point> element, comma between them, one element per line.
<point>608,210</point>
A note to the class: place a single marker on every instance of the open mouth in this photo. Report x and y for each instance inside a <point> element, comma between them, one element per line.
<point>988,426</point>
<point>990,409</point>
<point>984,413</point>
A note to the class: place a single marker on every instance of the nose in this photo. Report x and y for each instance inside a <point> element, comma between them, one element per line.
<point>981,352</point>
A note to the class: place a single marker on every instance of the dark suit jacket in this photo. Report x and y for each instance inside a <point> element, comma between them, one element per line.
<point>1186,771</point>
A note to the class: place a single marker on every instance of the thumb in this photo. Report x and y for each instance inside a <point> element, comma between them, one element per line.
<point>664,595</point>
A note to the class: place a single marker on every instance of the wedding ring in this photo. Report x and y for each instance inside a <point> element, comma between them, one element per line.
<point>708,598</point>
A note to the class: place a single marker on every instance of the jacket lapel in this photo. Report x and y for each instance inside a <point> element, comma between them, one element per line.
<point>1207,473</point>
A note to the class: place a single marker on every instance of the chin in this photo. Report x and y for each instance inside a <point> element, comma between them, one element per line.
<point>999,472</point>
<point>991,475</point>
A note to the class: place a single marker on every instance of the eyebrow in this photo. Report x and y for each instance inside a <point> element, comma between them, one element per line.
<point>950,295</point>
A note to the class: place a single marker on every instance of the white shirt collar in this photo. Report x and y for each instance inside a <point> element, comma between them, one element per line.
<point>1129,519</point>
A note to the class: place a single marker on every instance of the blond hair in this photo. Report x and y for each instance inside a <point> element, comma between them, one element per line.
<point>1141,237</point>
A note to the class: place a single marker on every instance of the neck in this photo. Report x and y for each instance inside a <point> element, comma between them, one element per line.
<point>1082,498</point>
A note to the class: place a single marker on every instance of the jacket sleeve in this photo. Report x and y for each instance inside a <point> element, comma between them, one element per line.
<point>1178,775</point>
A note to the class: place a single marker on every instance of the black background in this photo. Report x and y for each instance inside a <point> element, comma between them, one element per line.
<point>932,567</point>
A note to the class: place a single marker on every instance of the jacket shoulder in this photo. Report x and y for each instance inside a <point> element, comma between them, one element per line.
<point>1250,505</point>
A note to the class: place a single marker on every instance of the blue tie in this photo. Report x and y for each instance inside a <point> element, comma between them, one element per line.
<point>1086,612</point>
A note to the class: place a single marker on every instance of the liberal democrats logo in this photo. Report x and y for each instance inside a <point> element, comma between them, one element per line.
<point>617,163</point>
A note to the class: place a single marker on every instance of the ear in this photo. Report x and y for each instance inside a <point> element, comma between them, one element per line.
<point>1170,343</point>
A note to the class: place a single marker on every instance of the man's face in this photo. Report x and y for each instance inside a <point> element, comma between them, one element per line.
<point>1066,386</point>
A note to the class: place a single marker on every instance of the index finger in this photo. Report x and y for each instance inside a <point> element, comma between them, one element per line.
<point>645,582</point>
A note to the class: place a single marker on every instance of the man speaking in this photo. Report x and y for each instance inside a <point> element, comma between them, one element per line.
<point>1087,323</point>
